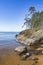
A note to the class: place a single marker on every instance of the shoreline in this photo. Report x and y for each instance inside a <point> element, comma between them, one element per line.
<point>9,57</point>
<point>9,44</point>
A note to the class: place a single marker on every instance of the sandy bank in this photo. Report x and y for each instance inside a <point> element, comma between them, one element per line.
<point>9,57</point>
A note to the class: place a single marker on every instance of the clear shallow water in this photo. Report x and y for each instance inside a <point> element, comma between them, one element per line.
<point>7,39</point>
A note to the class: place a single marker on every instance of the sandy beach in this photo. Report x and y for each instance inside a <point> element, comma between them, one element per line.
<point>9,57</point>
<point>21,32</point>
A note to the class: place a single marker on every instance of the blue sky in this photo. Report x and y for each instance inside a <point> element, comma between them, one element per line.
<point>12,13</point>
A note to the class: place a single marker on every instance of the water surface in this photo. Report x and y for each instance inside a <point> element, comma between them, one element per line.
<point>7,39</point>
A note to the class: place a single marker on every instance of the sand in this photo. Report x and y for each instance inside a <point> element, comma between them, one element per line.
<point>9,57</point>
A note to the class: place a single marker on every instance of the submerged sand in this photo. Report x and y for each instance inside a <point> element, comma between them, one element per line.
<point>9,57</point>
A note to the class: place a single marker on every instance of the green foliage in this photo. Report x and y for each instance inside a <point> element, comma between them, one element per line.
<point>32,9</point>
<point>36,19</point>
<point>26,33</point>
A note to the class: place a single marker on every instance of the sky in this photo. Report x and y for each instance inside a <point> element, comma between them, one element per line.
<point>12,13</point>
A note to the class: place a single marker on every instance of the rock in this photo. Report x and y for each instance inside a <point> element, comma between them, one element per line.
<point>38,37</point>
<point>28,54</point>
<point>39,49</point>
<point>21,49</point>
<point>41,46</point>
<point>30,41</point>
<point>25,56</point>
<point>42,42</point>
<point>35,39</point>
<point>35,59</point>
<point>42,52</point>
<point>36,52</point>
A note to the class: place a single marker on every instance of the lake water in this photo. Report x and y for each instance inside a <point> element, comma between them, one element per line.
<point>7,39</point>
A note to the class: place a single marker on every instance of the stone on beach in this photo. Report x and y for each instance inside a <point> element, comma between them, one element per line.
<point>21,49</point>
<point>40,49</point>
<point>35,59</point>
<point>25,56</point>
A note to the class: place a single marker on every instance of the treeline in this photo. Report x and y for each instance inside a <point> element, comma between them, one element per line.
<point>33,20</point>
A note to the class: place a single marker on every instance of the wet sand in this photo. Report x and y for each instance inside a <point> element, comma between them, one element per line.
<point>9,57</point>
